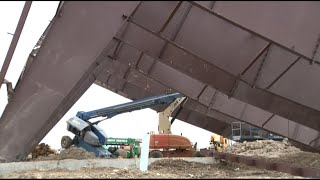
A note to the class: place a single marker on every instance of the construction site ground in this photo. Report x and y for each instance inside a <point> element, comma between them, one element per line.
<point>161,168</point>
<point>164,168</point>
<point>281,151</point>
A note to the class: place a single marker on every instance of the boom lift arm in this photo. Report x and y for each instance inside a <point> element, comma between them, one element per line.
<point>92,138</point>
<point>111,111</point>
<point>164,123</point>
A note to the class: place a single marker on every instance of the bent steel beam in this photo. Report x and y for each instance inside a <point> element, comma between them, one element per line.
<point>255,70</point>
<point>130,74</point>
<point>68,62</point>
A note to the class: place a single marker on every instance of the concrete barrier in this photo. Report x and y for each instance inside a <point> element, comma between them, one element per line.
<point>73,164</point>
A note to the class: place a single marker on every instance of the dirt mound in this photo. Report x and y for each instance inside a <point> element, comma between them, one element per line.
<point>76,153</point>
<point>71,153</point>
<point>276,150</point>
<point>264,148</point>
<point>179,168</point>
<point>43,150</point>
<point>306,159</point>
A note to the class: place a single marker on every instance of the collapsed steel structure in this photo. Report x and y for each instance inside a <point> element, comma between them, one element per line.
<point>236,61</point>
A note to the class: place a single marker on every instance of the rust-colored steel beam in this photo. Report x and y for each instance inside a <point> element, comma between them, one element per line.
<point>14,41</point>
<point>133,91</point>
<point>213,68</point>
<point>270,165</point>
<point>62,70</point>
<point>129,66</point>
<point>221,107</point>
<point>186,115</point>
<point>297,17</point>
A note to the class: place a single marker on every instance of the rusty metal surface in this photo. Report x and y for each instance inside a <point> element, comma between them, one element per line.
<point>296,17</point>
<point>60,73</point>
<point>176,46</point>
<point>264,85</point>
<point>14,41</point>
<point>128,77</point>
<point>133,91</point>
<point>270,165</point>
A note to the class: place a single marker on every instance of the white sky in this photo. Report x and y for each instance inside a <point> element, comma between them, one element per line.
<point>133,124</point>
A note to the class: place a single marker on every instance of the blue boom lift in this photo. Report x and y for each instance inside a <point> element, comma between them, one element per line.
<point>91,137</point>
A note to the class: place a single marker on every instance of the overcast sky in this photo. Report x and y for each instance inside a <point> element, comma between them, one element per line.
<point>133,124</point>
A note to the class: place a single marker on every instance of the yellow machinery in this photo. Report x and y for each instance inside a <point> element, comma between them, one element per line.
<point>218,143</point>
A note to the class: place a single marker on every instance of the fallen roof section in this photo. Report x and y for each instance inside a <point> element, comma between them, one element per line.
<point>131,83</point>
<point>255,70</point>
<point>181,45</point>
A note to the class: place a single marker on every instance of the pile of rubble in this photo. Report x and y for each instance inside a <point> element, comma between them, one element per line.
<point>43,150</point>
<point>71,153</point>
<point>276,150</point>
<point>264,148</point>
<point>76,153</point>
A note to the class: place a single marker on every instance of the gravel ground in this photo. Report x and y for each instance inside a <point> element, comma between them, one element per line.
<point>168,168</point>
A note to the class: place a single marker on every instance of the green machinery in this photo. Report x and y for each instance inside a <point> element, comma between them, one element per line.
<point>124,147</point>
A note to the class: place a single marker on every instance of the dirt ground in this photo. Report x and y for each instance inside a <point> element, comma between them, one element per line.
<point>271,150</point>
<point>277,151</point>
<point>167,168</point>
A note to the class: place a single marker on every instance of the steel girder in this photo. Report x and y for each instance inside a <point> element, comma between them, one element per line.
<point>131,80</point>
<point>147,56</point>
<point>253,70</point>
<point>293,23</point>
<point>133,92</point>
<point>65,66</point>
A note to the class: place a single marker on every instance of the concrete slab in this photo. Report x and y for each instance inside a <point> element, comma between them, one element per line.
<point>73,164</point>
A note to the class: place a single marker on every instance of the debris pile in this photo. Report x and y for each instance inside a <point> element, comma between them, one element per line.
<point>71,153</point>
<point>276,150</point>
<point>76,153</point>
<point>264,148</point>
<point>43,150</point>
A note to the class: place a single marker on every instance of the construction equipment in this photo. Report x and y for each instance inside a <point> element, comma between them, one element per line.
<point>242,131</point>
<point>91,137</point>
<point>124,147</point>
<point>166,144</point>
<point>170,145</point>
<point>218,143</point>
